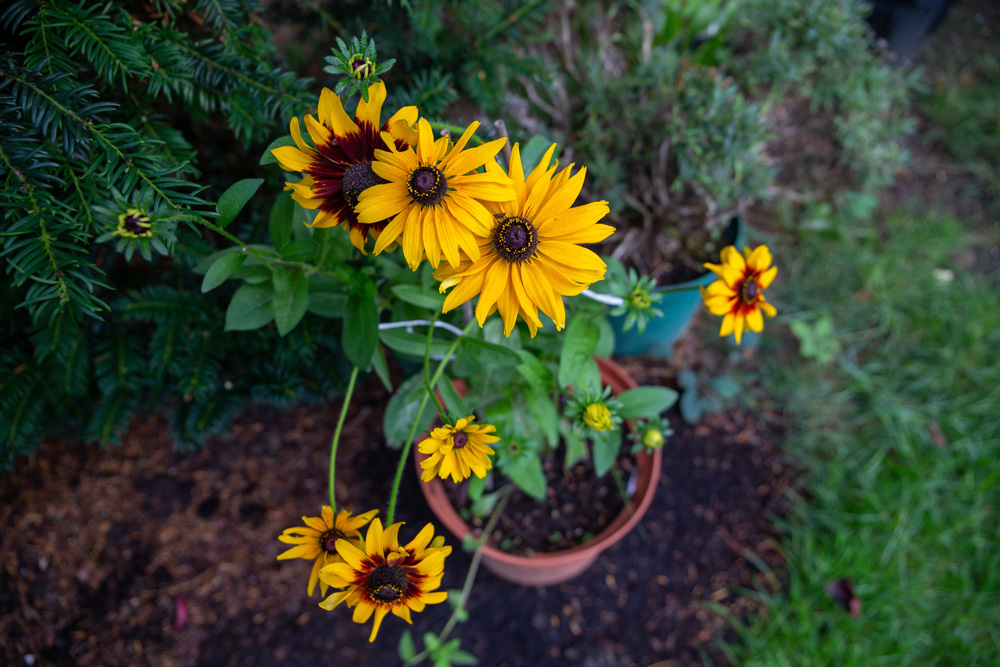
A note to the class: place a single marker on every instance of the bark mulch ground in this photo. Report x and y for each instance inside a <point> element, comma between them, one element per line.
<point>144,555</point>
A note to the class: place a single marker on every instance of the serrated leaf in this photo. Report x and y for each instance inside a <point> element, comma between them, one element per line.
<point>221,270</point>
<point>646,402</point>
<point>578,346</point>
<point>235,198</point>
<point>250,308</point>
<point>268,156</point>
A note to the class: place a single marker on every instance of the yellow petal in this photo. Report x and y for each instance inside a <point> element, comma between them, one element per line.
<point>765,279</point>
<point>423,538</point>
<point>334,600</point>
<point>338,120</point>
<point>379,615</point>
<point>496,282</point>
<point>458,164</point>
<point>320,135</point>
<point>371,111</point>
<point>308,551</point>
<point>380,202</point>
<point>755,320</point>
<point>425,143</point>
<point>728,322</point>
<point>351,554</point>
<point>738,321</point>
<point>291,158</point>
<point>373,540</point>
<point>391,232</point>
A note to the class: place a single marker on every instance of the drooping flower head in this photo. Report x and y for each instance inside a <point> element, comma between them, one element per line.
<point>317,540</point>
<point>433,196</point>
<point>460,450</point>
<point>738,294</point>
<point>530,257</point>
<point>380,576</point>
<point>339,169</point>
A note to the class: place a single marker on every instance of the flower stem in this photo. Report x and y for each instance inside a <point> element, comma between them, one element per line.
<point>336,437</point>
<point>470,576</point>
<point>416,421</point>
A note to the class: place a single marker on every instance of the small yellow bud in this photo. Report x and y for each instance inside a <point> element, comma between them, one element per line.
<point>598,417</point>
<point>652,439</point>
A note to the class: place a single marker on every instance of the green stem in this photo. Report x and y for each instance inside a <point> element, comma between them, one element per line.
<point>470,576</point>
<point>336,436</point>
<point>427,371</point>
<point>413,429</point>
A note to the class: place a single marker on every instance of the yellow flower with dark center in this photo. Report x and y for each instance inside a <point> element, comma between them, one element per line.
<point>460,451</point>
<point>738,294</point>
<point>598,417</point>
<point>317,540</point>
<point>433,197</point>
<point>134,224</point>
<point>380,576</point>
<point>530,258</point>
<point>339,169</point>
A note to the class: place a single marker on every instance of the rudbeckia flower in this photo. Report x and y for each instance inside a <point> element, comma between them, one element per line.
<point>134,224</point>
<point>530,258</point>
<point>459,451</point>
<point>738,294</point>
<point>317,540</point>
<point>433,196</point>
<point>380,576</point>
<point>339,169</point>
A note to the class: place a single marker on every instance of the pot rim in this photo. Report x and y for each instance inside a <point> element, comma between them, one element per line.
<point>649,475</point>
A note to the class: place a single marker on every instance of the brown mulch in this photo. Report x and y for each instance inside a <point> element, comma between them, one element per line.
<point>143,555</point>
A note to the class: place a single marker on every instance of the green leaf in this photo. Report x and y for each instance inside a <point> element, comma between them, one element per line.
<point>360,335</point>
<point>235,198</point>
<point>413,344</point>
<point>606,343</point>
<point>382,368</point>
<point>646,402</point>
<point>545,414</point>
<point>488,353</point>
<point>250,308</point>
<point>524,468</point>
<point>221,270</point>
<point>535,373</point>
<point>419,297</point>
<point>268,156</point>
<point>607,445</point>
<point>407,649</point>
<point>589,378</point>
<point>576,446</point>
<point>299,251</point>
<point>690,406</point>
<point>327,304</point>
<point>291,302</point>
<point>280,223</point>
<point>402,410</point>
<point>452,401</point>
<point>578,346</point>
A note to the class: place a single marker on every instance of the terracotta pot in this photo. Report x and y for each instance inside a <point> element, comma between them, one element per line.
<point>546,569</point>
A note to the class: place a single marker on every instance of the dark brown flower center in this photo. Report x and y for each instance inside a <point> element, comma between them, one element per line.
<point>748,291</point>
<point>329,540</point>
<point>138,225</point>
<point>461,440</point>
<point>515,239</point>
<point>427,185</point>
<point>387,583</point>
<point>358,178</point>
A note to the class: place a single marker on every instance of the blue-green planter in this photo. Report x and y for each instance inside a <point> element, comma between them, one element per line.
<point>678,311</point>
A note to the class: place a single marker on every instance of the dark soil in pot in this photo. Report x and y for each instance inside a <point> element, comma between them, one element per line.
<point>577,506</point>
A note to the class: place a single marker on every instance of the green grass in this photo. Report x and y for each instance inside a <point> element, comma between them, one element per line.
<point>914,524</point>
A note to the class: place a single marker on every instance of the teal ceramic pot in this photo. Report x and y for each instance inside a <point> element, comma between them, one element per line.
<point>678,311</point>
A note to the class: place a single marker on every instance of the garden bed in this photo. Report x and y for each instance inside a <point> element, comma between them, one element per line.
<point>142,555</point>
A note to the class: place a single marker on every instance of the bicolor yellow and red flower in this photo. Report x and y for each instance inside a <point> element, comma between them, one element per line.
<point>459,451</point>
<point>339,168</point>
<point>379,576</point>
<point>738,294</point>
<point>317,539</point>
